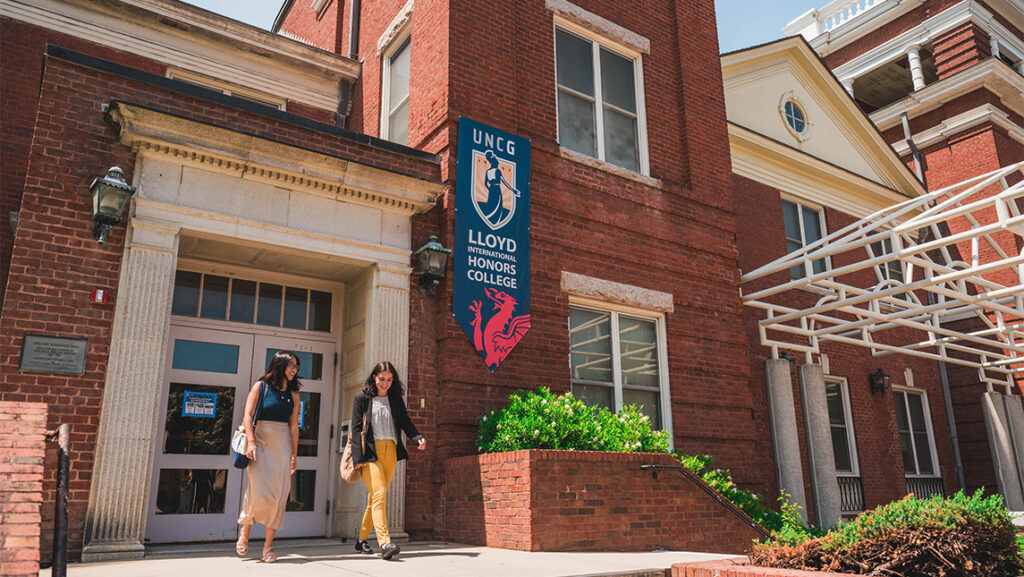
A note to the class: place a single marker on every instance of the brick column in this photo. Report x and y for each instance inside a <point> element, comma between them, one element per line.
<point>960,48</point>
<point>22,454</point>
<point>389,341</point>
<point>116,519</point>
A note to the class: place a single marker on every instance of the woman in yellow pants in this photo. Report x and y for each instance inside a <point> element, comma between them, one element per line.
<point>381,408</point>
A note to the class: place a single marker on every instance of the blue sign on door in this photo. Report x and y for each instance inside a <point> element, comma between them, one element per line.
<point>491,290</point>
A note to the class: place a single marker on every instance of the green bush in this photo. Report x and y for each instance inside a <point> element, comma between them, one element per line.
<point>540,420</point>
<point>957,536</point>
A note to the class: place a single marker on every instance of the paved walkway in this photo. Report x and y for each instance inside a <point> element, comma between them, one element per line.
<point>323,557</point>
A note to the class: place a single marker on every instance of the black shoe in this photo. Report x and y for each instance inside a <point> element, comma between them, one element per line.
<point>389,550</point>
<point>363,546</point>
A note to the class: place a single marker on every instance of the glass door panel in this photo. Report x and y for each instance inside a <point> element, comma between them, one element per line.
<point>307,513</point>
<point>195,492</point>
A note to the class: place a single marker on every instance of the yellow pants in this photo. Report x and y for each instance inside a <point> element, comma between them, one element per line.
<point>377,478</point>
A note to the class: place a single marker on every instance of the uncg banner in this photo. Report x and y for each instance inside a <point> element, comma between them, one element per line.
<point>491,291</point>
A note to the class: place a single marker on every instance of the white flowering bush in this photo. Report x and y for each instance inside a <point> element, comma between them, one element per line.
<point>541,420</point>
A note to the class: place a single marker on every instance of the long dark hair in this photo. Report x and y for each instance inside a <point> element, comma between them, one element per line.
<point>370,384</point>
<point>275,374</point>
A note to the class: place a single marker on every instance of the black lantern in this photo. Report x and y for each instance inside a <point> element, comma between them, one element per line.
<point>879,381</point>
<point>433,260</point>
<point>110,196</point>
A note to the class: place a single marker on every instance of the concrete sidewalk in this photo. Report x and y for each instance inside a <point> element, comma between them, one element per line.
<point>324,557</point>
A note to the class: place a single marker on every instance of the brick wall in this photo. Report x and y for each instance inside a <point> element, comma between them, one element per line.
<point>737,568</point>
<point>495,64</point>
<point>960,48</point>
<point>584,501</point>
<point>22,449</point>
<point>321,29</point>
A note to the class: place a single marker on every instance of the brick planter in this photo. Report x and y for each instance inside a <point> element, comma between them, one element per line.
<point>737,568</point>
<point>541,500</point>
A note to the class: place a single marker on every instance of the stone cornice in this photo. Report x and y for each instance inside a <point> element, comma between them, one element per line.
<point>181,35</point>
<point>992,74</point>
<point>804,176</point>
<point>984,114</point>
<point>623,294</point>
<point>218,149</point>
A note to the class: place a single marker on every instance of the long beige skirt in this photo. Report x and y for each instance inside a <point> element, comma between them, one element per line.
<point>269,481</point>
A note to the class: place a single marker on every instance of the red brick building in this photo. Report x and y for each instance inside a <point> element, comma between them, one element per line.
<point>284,180</point>
<point>956,70</point>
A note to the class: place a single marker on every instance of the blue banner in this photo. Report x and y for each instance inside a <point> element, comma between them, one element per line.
<point>491,291</point>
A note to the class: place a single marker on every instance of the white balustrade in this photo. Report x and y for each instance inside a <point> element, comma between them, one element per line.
<point>839,12</point>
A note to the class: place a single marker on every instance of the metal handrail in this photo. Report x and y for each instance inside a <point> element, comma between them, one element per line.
<point>62,435</point>
<point>655,469</point>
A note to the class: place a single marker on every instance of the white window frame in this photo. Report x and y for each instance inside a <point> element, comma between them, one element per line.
<point>227,88</point>
<point>598,42</point>
<point>926,409</point>
<point>822,225</point>
<point>851,437</point>
<point>662,355</point>
<point>402,39</point>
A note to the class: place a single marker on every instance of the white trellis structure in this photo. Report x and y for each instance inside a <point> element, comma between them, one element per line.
<point>949,289</point>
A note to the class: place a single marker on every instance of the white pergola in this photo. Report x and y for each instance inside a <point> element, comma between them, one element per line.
<point>947,282</point>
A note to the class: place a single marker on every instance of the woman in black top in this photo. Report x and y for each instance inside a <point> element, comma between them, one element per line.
<point>272,447</point>
<point>382,409</point>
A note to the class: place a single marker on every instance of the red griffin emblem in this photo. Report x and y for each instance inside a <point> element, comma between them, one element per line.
<point>501,333</point>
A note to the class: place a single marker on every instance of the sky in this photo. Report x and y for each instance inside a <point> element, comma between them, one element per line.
<point>741,23</point>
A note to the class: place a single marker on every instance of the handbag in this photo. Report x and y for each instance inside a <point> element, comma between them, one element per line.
<point>239,441</point>
<point>347,468</point>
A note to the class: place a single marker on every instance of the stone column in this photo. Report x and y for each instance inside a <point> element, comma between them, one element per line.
<point>1015,418</point>
<point>818,429</point>
<point>115,521</point>
<point>785,440</point>
<point>1000,441</point>
<point>993,43</point>
<point>916,72</point>
<point>389,340</point>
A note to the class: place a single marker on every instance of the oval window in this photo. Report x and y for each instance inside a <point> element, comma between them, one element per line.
<point>795,117</point>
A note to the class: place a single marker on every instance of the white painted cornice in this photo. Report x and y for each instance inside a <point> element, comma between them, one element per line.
<point>181,35</point>
<point>895,48</point>
<point>807,177</point>
<point>984,114</point>
<point>187,142</point>
<point>991,74</point>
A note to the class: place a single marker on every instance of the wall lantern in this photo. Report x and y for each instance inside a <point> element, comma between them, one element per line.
<point>110,196</point>
<point>879,381</point>
<point>433,260</point>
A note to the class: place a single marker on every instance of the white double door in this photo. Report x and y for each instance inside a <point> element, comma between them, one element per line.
<point>196,493</point>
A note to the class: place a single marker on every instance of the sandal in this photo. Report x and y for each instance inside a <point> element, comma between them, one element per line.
<point>242,546</point>
<point>269,556</point>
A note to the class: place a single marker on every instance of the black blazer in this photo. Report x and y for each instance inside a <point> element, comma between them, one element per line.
<point>360,406</point>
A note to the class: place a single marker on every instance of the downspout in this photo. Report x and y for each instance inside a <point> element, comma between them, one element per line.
<point>954,437</point>
<point>345,88</point>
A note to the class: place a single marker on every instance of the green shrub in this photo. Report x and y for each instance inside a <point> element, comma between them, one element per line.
<point>961,535</point>
<point>540,420</point>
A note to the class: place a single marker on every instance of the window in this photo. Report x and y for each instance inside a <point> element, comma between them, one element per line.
<point>600,104</point>
<point>795,117</point>
<point>394,94</point>
<point>246,301</point>
<point>804,226</point>
<point>844,445</point>
<point>915,432</point>
<point>227,88</point>
<point>616,360</point>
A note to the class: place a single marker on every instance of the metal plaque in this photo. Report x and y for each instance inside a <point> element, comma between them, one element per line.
<point>41,354</point>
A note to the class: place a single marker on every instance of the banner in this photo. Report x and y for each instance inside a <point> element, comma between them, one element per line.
<point>491,291</point>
